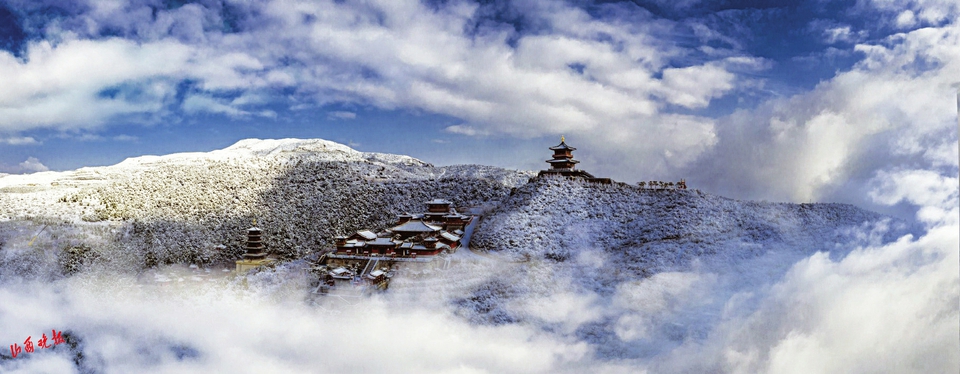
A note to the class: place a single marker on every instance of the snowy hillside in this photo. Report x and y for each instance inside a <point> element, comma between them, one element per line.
<point>609,275</point>
<point>600,237</point>
<point>636,272</point>
<point>193,207</point>
<point>655,230</point>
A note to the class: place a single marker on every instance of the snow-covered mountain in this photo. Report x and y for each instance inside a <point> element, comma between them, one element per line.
<point>563,235</point>
<point>652,230</point>
<point>614,274</point>
<point>194,207</point>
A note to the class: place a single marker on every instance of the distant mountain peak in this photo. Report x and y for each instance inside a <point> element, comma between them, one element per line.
<point>275,146</point>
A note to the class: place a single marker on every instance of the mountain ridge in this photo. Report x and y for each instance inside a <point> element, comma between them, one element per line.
<point>193,207</point>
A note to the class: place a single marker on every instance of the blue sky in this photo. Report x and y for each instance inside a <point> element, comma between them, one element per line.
<point>780,100</point>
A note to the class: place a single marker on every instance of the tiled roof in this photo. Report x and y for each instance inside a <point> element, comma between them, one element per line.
<point>367,234</point>
<point>415,226</point>
<point>562,145</point>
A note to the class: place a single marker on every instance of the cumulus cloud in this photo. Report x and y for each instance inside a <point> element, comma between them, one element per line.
<point>878,309</point>
<point>929,11</point>
<point>616,79</point>
<point>32,165</point>
<point>81,83</point>
<point>888,112</point>
<point>605,78</point>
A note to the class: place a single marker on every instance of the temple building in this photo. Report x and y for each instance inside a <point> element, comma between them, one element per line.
<point>416,240</point>
<point>255,252</point>
<point>415,237</point>
<point>563,164</point>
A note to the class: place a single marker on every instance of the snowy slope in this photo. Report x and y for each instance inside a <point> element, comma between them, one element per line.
<point>566,236</point>
<point>655,230</point>
<point>194,207</point>
<point>186,207</point>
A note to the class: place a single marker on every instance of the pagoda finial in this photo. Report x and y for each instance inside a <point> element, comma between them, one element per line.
<point>561,139</point>
<point>254,222</point>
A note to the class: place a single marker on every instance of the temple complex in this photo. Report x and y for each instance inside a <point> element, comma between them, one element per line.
<point>414,237</point>
<point>366,256</point>
<point>563,164</point>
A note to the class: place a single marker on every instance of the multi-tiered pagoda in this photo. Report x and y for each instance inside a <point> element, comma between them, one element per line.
<point>255,252</point>
<point>563,164</point>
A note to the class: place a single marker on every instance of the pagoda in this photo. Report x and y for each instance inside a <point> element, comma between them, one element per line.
<point>255,252</point>
<point>562,157</point>
<point>563,164</point>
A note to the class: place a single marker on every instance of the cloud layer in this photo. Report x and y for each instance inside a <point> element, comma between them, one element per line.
<point>893,112</point>
<point>517,69</point>
<point>641,91</point>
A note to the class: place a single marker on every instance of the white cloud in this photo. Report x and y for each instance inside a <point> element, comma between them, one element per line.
<point>465,130</point>
<point>593,79</point>
<point>930,11</point>
<point>605,80</point>
<point>924,188</point>
<point>273,332</point>
<point>202,103</point>
<point>609,83</point>
<point>888,110</point>
<point>19,140</point>
<point>60,85</point>
<point>875,310</point>
<point>341,115</point>
<point>695,86</point>
<point>32,165</point>
<point>906,19</point>
<point>649,303</point>
<point>842,34</point>
<point>85,137</point>
<point>125,138</point>
<point>569,310</point>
